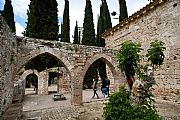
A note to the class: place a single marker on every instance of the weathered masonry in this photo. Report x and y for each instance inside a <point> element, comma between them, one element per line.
<point>159,20</point>
<point>16,52</point>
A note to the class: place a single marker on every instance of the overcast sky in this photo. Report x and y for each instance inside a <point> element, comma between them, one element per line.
<point>76,9</point>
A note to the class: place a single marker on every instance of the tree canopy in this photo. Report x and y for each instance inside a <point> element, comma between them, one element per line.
<point>42,20</point>
<point>76,36</point>
<point>8,15</point>
<point>88,26</point>
<point>66,23</point>
<point>122,10</point>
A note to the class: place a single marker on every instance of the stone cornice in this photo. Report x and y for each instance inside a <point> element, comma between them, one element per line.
<point>134,16</point>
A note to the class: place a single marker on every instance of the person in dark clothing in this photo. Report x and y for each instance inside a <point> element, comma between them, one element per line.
<point>103,87</point>
<point>95,80</point>
<point>107,85</point>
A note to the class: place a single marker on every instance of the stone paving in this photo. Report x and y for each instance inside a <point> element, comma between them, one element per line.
<point>45,108</point>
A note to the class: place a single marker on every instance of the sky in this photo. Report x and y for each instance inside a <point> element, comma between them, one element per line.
<point>76,11</point>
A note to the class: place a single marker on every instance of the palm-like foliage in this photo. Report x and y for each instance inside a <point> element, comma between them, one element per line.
<point>129,57</point>
<point>155,53</point>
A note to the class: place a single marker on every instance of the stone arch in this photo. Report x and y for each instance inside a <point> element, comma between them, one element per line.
<point>109,61</point>
<point>28,72</point>
<point>55,53</point>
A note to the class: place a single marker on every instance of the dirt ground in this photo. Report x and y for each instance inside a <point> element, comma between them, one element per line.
<point>94,110</point>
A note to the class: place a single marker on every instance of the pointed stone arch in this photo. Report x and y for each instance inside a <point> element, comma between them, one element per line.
<point>45,50</point>
<point>111,62</point>
<point>56,53</point>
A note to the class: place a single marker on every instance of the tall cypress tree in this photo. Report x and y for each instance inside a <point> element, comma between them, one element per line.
<point>122,10</point>
<point>89,39</point>
<point>8,15</point>
<point>104,23</point>
<point>76,36</point>
<point>88,26</point>
<point>66,23</point>
<point>42,20</point>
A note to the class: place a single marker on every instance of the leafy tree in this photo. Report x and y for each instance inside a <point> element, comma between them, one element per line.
<point>8,15</point>
<point>76,37</point>
<point>120,107</point>
<point>155,53</point>
<point>122,10</point>
<point>66,23</point>
<point>129,59</point>
<point>88,26</point>
<point>42,20</point>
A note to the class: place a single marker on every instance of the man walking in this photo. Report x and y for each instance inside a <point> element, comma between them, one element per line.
<point>107,85</point>
<point>95,81</point>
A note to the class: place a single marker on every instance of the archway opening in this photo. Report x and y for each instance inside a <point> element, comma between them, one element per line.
<point>92,73</point>
<point>48,67</point>
<point>53,82</point>
<point>31,86</point>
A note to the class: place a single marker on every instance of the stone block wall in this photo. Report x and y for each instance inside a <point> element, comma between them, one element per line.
<point>161,22</point>
<point>7,65</point>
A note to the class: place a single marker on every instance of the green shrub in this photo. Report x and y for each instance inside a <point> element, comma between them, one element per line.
<point>120,107</point>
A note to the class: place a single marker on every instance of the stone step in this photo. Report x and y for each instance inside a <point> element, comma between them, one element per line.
<point>14,112</point>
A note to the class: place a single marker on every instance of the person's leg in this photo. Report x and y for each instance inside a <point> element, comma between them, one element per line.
<point>96,94</point>
<point>108,91</point>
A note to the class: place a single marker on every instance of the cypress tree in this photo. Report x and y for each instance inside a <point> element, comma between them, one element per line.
<point>42,20</point>
<point>89,39</point>
<point>122,10</point>
<point>66,23</point>
<point>104,23</point>
<point>88,26</point>
<point>8,15</point>
<point>76,37</point>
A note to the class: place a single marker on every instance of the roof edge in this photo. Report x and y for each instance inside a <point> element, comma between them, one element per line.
<point>136,15</point>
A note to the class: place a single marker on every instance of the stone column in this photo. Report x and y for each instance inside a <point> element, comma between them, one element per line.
<point>60,78</point>
<point>43,83</point>
<point>77,87</point>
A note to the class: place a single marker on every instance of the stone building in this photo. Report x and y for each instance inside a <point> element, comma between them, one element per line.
<point>16,52</point>
<point>159,20</point>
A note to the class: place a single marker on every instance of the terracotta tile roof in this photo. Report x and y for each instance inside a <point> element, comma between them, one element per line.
<point>134,16</point>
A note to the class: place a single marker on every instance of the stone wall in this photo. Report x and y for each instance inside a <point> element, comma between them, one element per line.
<point>159,21</point>
<point>7,65</point>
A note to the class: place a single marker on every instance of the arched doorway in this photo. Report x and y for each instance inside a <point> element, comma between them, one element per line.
<point>31,86</point>
<point>112,73</point>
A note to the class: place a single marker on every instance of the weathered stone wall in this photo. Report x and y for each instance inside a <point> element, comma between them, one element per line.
<point>75,58</point>
<point>7,65</point>
<point>160,22</point>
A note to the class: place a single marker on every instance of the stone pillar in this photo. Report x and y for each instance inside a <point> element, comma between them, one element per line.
<point>77,87</point>
<point>43,83</point>
<point>60,78</point>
